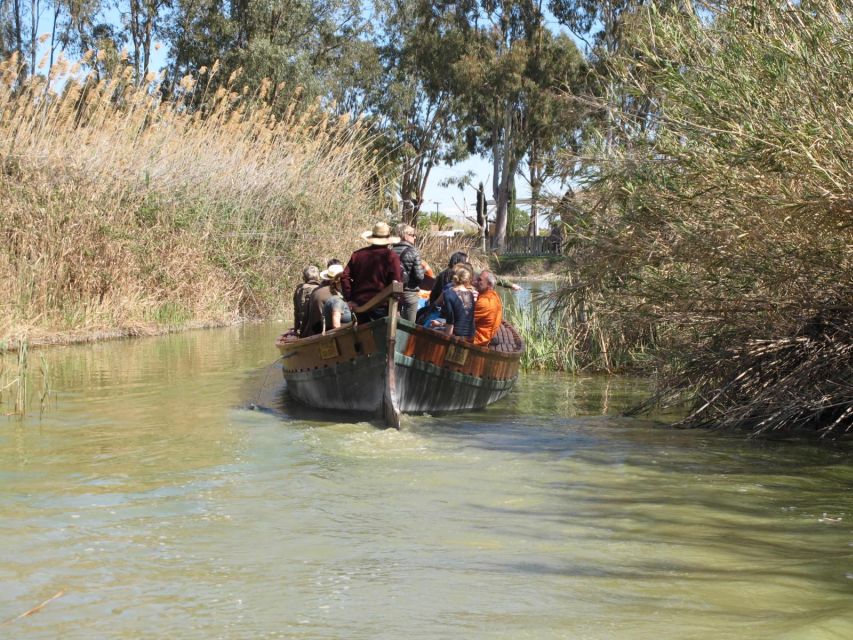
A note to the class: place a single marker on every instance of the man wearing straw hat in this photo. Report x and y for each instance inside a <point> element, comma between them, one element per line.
<point>370,270</point>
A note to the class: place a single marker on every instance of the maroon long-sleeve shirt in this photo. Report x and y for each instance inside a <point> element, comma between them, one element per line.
<point>368,271</point>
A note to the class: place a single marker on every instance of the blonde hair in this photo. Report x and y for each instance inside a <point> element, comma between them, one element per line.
<point>463,274</point>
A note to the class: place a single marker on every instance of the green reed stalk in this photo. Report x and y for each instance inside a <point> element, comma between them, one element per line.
<point>549,344</point>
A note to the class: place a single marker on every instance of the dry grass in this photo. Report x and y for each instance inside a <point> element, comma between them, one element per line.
<point>124,214</point>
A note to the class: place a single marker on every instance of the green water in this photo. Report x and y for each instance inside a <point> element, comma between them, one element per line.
<point>162,506</point>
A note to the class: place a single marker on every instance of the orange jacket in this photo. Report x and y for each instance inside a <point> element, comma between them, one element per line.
<point>488,313</point>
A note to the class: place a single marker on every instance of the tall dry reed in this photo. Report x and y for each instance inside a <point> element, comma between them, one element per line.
<point>126,213</point>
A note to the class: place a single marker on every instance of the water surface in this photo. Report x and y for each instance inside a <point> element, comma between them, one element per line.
<point>162,504</point>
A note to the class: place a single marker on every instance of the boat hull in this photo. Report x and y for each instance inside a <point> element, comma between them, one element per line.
<point>347,369</point>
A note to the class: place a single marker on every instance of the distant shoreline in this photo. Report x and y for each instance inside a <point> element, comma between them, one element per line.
<point>74,337</point>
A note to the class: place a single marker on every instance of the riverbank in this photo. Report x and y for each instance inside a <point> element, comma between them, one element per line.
<point>527,267</point>
<point>52,339</point>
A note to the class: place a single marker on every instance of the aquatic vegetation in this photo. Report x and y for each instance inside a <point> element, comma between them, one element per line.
<point>17,392</point>
<point>549,344</point>
<point>559,338</point>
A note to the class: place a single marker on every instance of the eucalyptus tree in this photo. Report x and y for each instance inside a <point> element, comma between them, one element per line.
<point>82,27</point>
<point>507,68</point>
<point>143,19</point>
<point>70,25</point>
<point>610,29</point>
<point>7,28</point>
<point>417,109</point>
<point>554,121</point>
<point>13,34</point>
<point>18,27</point>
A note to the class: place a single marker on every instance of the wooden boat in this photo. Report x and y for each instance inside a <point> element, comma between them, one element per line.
<point>391,365</point>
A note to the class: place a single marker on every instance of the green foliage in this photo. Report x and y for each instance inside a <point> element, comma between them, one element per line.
<point>435,220</point>
<point>509,78</point>
<point>518,221</point>
<point>559,338</point>
<point>304,48</point>
<point>172,314</point>
<point>549,341</point>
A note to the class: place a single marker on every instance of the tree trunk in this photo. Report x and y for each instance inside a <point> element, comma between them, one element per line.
<point>34,25</point>
<point>413,183</point>
<point>56,10</point>
<point>136,35</point>
<point>53,33</point>
<point>19,41</point>
<point>146,52</point>
<point>482,215</point>
<point>506,172</point>
<point>419,201</point>
<point>535,190</point>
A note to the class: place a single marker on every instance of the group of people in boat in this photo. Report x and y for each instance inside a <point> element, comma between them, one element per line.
<point>461,302</point>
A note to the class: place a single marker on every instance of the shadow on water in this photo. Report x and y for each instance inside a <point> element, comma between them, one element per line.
<point>609,481</point>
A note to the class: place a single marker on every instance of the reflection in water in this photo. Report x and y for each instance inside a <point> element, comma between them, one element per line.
<point>165,507</point>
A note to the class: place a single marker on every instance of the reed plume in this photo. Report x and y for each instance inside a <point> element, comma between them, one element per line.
<point>126,212</point>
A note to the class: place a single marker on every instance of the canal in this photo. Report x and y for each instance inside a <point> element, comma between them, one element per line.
<point>171,489</point>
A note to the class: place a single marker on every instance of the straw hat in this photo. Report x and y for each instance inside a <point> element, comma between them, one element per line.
<point>332,272</point>
<point>381,234</point>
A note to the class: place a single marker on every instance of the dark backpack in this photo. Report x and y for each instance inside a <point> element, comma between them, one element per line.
<point>402,250</point>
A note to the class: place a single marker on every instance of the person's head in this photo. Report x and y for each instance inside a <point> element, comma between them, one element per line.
<point>333,261</point>
<point>456,258</point>
<point>463,274</point>
<point>380,235</point>
<point>310,273</point>
<point>332,273</point>
<point>406,232</point>
<point>485,281</point>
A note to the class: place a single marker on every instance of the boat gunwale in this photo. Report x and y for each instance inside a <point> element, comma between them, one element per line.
<point>412,328</point>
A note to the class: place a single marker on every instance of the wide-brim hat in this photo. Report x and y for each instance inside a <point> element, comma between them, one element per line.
<point>380,234</point>
<point>332,272</point>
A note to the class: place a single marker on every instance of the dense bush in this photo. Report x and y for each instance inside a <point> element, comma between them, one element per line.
<point>719,219</point>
